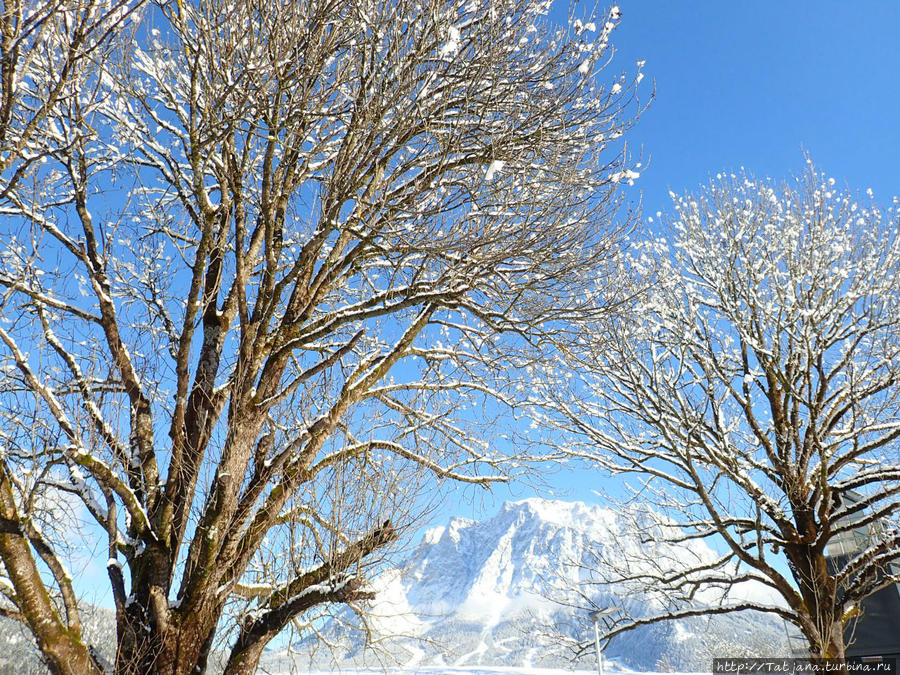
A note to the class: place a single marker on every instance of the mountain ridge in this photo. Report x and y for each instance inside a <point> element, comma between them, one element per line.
<point>503,591</point>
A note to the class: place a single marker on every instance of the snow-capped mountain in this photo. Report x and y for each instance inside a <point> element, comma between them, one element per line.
<point>505,591</point>
<point>19,655</point>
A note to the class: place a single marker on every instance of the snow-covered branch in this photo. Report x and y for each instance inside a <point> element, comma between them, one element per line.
<point>750,392</point>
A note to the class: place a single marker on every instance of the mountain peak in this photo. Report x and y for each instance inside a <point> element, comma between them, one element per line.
<point>483,591</point>
<point>532,512</point>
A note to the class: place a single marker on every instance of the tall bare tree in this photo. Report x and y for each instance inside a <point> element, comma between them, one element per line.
<point>265,265</point>
<point>751,393</point>
<point>46,48</point>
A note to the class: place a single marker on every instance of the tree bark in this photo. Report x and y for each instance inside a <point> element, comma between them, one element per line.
<point>63,648</point>
<point>179,644</point>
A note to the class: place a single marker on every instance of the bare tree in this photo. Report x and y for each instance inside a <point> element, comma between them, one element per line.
<point>750,394</point>
<point>45,48</point>
<point>264,278</point>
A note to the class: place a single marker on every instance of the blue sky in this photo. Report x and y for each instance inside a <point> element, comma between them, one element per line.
<point>753,85</point>
<point>756,84</point>
<point>737,84</point>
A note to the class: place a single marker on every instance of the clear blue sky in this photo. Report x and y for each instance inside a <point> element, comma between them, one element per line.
<point>754,85</point>
<point>749,84</point>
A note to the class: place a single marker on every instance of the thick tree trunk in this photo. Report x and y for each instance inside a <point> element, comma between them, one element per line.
<point>60,643</point>
<point>832,642</point>
<point>245,662</point>
<point>826,644</point>
<point>177,645</point>
<point>824,633</point>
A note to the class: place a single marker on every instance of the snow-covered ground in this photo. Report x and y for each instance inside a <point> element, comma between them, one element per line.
<point>474,670</point>
<point>481,670</point>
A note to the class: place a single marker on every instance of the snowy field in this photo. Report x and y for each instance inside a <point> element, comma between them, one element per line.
<point>461,670</point>
<point>480,670</point>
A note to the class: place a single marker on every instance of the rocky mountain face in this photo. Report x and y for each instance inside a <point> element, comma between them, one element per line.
<point>507,591</point>
<point>504,591</point>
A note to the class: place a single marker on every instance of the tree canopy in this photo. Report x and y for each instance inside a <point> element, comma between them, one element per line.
<point>751,393</point>
<point>265,267</point>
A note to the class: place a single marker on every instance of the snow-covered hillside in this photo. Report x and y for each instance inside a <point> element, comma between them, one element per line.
<point>476,670</point>
<point>495,592</point>
<point>18,655</point>
<point>480,597</point>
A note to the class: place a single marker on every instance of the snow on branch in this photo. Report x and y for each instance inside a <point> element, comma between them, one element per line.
<point>750,390</point>
<point>275,276</point>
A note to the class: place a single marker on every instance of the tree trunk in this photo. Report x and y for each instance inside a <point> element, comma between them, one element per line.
<point>827,646</point>
<point>60,643</point>
<point>833,642</point>
<point>176,643</point>
<point>245,661</point>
